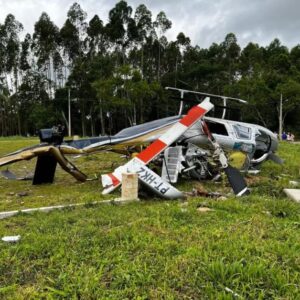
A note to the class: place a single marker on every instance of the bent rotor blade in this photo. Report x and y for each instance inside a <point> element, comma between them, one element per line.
<point>276,159</point>
<point>113,180</point>
<point>44,150</point>
<point>236,181</point>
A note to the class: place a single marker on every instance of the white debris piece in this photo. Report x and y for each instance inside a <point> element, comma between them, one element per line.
<point>294,194</point>
<point>11,239</point>
<point>253,172</point>
<point>232,292</point>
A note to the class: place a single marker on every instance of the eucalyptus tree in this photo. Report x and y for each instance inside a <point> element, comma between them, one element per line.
<point>32,95</point>
<point>162,24</point>
<point>251,60</point>
<point>9,68</point>
<point>3,113</point>
<point>124,93</point>
<point>231,56</point>
<point>121,28</point>
<point>2,56</point>
<point>174,53</point>
<point>77,17</point>
<point>73,34</point>
<point>45,45</point>
<point>144,25</point>
<point>95,41</point>
<point>289,92</point>
<point>25,53</point>
<point>10,50</point>
<point>101,67</point>
<point>150,56</point>
<point>295,56</point>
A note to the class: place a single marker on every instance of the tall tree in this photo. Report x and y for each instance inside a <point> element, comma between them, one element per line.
<point>45,45</point>
<point>10,50</point>
<point>143,21</point>
<point>119,20</point>
<point>162,23</point>
<point>96,36</point>
<point>231,55</point>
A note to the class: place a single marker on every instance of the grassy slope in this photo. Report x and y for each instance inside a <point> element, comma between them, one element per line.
<point>153,249</point>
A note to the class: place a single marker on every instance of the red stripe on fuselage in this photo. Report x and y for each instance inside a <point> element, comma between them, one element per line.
<point>114,179</point>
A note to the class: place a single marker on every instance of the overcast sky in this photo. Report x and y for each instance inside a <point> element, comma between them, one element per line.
<point>204,21</point>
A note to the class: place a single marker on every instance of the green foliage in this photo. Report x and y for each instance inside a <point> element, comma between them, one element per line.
<point>88,55</point>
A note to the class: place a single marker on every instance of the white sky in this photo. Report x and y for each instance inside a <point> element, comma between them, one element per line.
<point>204,21</point>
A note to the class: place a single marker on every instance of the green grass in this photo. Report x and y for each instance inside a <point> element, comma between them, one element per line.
<point>153,249</point>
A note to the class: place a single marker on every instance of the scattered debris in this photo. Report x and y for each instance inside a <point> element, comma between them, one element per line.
<point>95,177</point>
<point>204,209</point>
<point>7,174</point>
<point>286,175</point>
<point>22,194</point>
<point>268,213</point>
<point>199,191</point>
<point>294,183</point>
<point>294,194</point>
<point>11,239</point>
<point>254,180</point>
<point>232,292</point>
<point>253,172</point>
<point>217,178</point>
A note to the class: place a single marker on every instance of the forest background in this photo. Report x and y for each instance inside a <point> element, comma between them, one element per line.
<point>115,73</point>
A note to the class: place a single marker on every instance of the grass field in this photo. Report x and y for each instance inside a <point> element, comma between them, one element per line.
<point>246,248</point>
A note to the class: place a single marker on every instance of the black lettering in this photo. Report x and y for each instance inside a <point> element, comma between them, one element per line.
<point>157,187</point>
<point>164,190</point>
<point>141,170</point>
<point>145,176</point>
<point>150,179</point>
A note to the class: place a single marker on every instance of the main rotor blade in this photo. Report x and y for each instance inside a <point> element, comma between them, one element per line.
<point>183,91</point>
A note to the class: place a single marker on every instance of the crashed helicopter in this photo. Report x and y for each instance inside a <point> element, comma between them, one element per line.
<point>192,145</point>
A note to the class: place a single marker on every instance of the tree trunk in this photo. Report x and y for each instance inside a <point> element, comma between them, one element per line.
<point>134,114</point>
<point>92,123</point>
<point>83,127</point>
<point>142,62</point>
<point>141,111</point>
<point>158,68</point>
<point>102,123</point>
<point>19,124</point>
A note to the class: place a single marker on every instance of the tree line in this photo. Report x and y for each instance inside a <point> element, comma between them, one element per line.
<point>115,73</point>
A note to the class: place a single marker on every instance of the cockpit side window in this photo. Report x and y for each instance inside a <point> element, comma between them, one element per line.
<point>216,128</point>
<point>242,132</point>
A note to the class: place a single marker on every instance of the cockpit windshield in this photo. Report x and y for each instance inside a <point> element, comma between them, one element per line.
<point>242,132</point>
